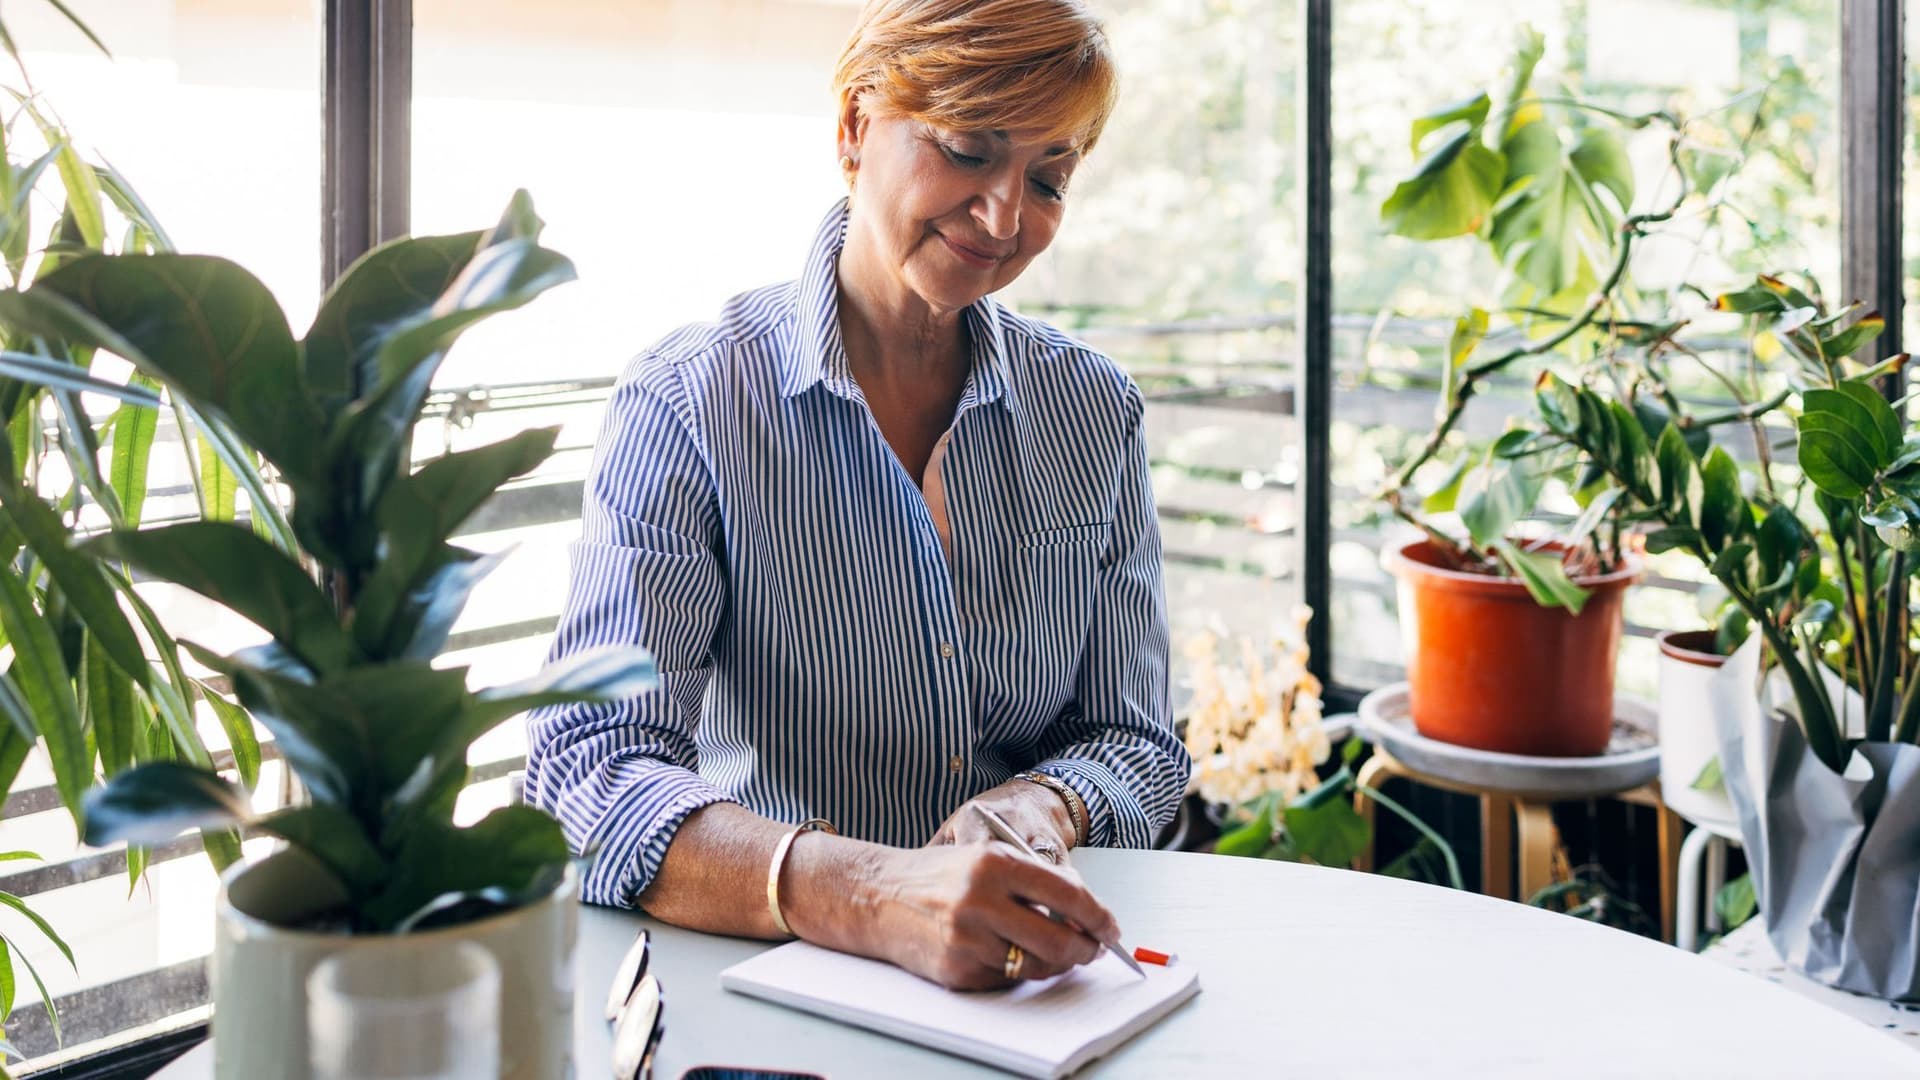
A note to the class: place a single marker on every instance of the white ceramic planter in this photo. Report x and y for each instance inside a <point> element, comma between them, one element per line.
<point>1688,737</point>
<point>259,970</point>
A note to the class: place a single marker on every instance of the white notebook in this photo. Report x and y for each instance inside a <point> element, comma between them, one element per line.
<point>1044,1029</point>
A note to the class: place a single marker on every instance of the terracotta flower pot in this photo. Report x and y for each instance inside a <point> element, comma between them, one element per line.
<point>1489,668</point>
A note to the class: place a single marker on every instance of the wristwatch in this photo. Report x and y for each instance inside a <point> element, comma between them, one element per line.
<point>1076,809</point>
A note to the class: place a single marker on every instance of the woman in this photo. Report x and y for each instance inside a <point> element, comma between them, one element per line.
<point>893,547</point>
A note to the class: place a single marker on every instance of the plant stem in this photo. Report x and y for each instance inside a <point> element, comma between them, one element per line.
<point>1880,701</point>
<point>1853,605</point>
<point>1426,830</point>
<point>1477,373</point>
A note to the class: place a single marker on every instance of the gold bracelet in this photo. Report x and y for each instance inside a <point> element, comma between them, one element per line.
<point>1076,809</point>
<point>779,859</point>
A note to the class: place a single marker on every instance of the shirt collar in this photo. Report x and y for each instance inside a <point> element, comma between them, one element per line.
<point>819,356</point>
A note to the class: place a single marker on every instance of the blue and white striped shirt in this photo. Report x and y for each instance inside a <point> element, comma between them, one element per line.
<point>821,654</point>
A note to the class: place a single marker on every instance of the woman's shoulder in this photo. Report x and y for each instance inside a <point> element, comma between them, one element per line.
<point>701,357</point>
<point>1043,355</point>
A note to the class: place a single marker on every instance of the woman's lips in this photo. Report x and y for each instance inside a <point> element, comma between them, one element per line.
<point>970,256</point>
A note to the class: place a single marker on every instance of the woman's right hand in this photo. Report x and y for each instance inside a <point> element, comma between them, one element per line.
<point>949,913</point>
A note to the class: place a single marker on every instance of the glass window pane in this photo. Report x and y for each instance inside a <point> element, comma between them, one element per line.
<point>683,153</point>
<point>1759,84</point>
<point>211,110</point>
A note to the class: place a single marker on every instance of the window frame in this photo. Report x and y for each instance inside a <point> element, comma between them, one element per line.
<point>365,196</point>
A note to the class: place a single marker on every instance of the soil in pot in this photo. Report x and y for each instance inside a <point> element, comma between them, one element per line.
<point>1489,668</point>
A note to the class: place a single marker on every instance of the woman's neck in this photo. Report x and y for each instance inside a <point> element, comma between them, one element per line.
<point>894,339</point>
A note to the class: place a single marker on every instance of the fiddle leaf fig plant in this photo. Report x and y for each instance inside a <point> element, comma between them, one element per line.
<point>346,685</point>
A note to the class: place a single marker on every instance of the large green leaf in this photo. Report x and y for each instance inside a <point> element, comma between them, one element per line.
<point>334,837</point>
<point>45,686</point>
<point>62,375</point>
<point>80,579</point>
<point>1847,436</point>
<point>1330,831</point>
<point>319,736</point>
<point>394,284</point>
<point>1450,193</point>
<point>432,603</point>
<point>405,711</point>
<point>366,447</point>
<point>1680,485</point>
<point>1470,111</point>
<point>1545,576</point>
<point>1512,489</point>
<point>240,735</point>
<point>417,515</point>
<point>153,803</point>
<point>219,487</point>
<point>82,186</point>
<point>508,857</point>
<point>134,429</point>
<point>1547,232</point>
<point>204,326</point>
<point>1723,509</point>
<point>112,707</point>
<point>610,673</point>
<point>228,564</point>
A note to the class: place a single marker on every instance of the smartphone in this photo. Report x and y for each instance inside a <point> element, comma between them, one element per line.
<point>728,1072</point>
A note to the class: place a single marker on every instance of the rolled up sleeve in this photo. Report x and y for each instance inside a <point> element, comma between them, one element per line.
<point>1114,743</point>
<point>622,776</point>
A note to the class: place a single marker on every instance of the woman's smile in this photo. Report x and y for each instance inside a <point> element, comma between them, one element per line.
<point>972,256</point>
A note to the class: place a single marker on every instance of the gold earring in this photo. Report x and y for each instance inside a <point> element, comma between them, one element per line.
<point>846,164</point>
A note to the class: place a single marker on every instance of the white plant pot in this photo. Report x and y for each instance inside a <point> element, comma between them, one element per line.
<point>260,967</point>
<point>1688,738</point>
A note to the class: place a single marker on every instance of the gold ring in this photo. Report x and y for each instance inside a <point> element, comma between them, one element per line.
<point>1016,956</point>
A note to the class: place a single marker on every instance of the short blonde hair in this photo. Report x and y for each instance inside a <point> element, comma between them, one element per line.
<point>982,65</point>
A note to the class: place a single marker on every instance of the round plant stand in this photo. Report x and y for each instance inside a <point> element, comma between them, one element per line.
<point>1517,792</point>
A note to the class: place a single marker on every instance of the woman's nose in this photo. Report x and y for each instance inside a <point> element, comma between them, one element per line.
<point>998,209</point>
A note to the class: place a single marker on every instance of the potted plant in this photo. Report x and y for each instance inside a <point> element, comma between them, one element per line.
<point>376,733</point>
<point>98,689</point>
<point>1822,765</point>
<point>1512,622</point>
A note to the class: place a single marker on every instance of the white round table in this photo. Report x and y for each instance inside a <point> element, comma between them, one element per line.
<point>1304,971</point>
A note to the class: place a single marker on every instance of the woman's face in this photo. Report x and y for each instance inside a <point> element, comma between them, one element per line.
<point>955,215</point>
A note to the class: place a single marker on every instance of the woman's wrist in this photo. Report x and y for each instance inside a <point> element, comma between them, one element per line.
<point>831,891</point>
<point>1059,801</point>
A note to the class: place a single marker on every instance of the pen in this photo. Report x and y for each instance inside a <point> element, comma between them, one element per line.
<point>1005,832</point>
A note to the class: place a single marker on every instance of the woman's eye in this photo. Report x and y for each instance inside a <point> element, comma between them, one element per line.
<point>1049,190</point>
<point>958,158</point>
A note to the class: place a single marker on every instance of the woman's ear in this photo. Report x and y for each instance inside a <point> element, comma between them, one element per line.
<point>853,130</point>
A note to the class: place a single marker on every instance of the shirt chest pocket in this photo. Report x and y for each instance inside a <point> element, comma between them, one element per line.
<point>1057,570</point>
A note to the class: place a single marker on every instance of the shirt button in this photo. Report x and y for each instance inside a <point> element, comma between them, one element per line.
<point>946,650</point>
<point>955,764</point>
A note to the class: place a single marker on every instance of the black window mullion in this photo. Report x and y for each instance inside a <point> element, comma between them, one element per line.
<point>1872,108</point>
<point>368,104</point>
<point>1316,327</point>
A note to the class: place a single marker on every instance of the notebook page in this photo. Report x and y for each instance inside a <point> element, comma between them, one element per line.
<point>1036,1028</point>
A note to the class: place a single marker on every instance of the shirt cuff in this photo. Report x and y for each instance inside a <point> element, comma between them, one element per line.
<point>635,829</point>
<point>1114,817</point>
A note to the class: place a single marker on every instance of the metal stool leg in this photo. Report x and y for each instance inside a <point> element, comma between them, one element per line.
<point>1686,924</point>
<point>1716,879</point>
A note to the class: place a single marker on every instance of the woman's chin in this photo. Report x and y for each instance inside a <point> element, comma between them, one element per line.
<point>953,292</point>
